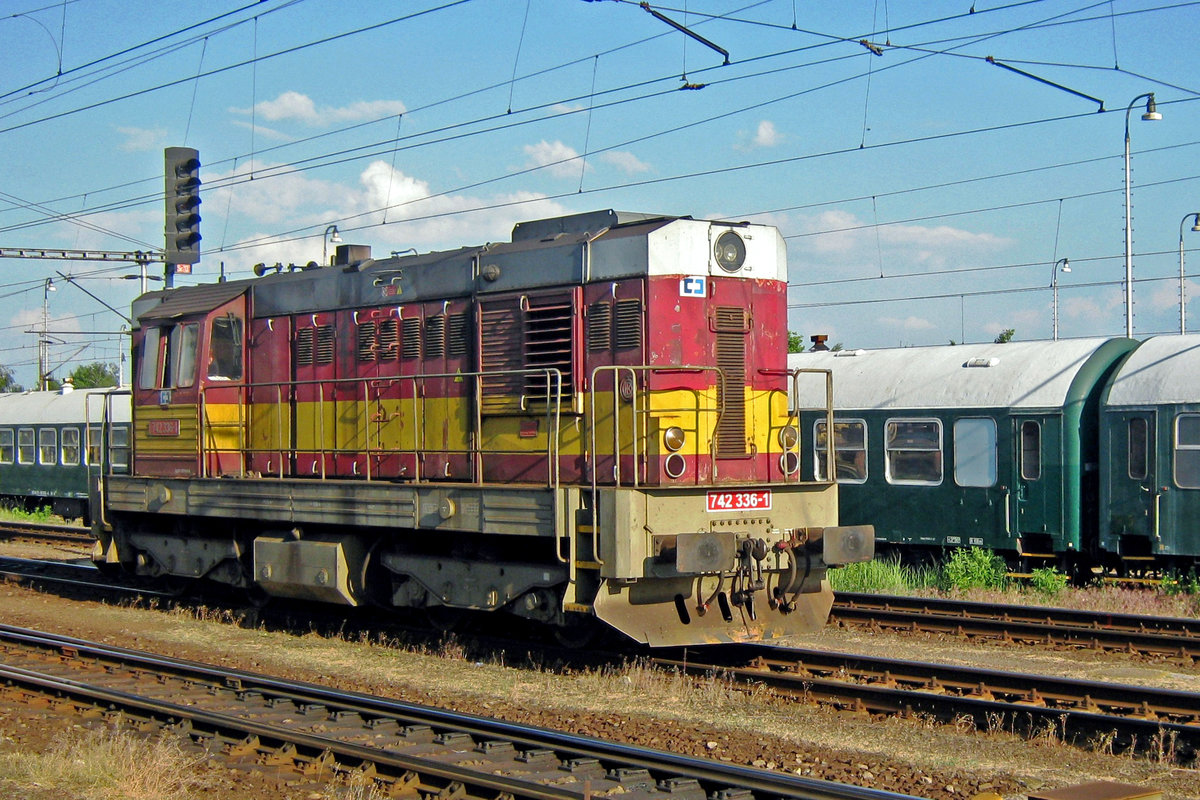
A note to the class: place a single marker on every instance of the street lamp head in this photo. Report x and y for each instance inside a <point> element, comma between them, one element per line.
<point>1151,114</point>
<point>50,287</point>
<point>1196,220</point>
<point>1066,265</point>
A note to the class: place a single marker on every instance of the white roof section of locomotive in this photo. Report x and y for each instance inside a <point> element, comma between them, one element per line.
<point>1163,369</point>
<point>686,247</point>
<point>1011,375</point>
<point>27,409</point>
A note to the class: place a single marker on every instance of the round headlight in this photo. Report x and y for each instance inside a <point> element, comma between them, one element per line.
<point>788,437</point>
<point>675,465</point>
<point>673,438</point>
<point>730,251</point>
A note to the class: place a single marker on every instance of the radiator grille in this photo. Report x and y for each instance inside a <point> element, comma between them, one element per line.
<point>731,325</point>
<point>304,347</point>
<point>325,348</point>
<point>599,327</point>
<point>629,324</point>
<point>366,341</point>
<point>435,336</point>
<point>388,340</point>
<point>411,347</point>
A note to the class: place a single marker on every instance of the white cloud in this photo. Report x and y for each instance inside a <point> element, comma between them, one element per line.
<point>561,159</point>
<point>625,161</point>
<point>300,107</point>
<point>142,139</point>
<point>416,215</point>
<point>841,236</point>
<point>262,130</point>
<point>909,323</point>
<point>767,135</point>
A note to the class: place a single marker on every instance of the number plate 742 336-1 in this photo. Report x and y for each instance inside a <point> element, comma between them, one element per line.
<point>743,500</point>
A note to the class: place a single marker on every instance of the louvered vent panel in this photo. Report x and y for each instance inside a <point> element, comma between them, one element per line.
<point>411,347</point>
<point>548,344</point>
<point>325,348</point>
<point>599,327</point>
<point>500,349</point>
<point>366,341</point>
<point>731,396</point>
<point>435,336</point>
<point>456,336</point>
<point>388,340</point>
<point>629,324</point>
<point>304,347</point>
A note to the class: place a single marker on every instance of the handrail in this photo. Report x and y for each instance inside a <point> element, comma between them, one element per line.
<point>373,387</point>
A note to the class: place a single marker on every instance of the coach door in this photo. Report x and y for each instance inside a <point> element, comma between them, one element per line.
<point>1133,482</point>
<point>1038,471</point>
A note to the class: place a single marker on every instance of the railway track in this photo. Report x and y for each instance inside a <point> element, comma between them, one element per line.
<point>24,530</point>
<point>1087,713</point>
<point>256,720</point>
<point>1170,637</point>
<point>1082,712</point>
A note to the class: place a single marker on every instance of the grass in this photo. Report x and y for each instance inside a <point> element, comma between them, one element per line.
<point>104,764</point>
<point>41,514</point>
<point>978,574</point>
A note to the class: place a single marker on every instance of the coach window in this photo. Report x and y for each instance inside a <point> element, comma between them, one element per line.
<point>25,446</point>
<point>849,450</point>
<point>7,446</point>
<point>1031,450</point>
<point>70,447</point>
<point>1187,451</point>
<point>975,452</point>
<point>47,446</point>
<point>1139,437</point>
<point>914,451</point>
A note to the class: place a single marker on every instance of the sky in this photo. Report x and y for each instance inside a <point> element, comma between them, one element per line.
<point>928,163</point>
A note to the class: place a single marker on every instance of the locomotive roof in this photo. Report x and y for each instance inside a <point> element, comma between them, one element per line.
<point>55,408</point>
<point>581,248</point>
<point>1163,369</point>
<point>1010,375</point>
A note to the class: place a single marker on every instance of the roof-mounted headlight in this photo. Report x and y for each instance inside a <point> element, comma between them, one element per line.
<point>730,251</point>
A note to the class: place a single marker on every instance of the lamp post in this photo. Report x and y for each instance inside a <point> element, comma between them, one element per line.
<point>1150,115</point>
<point>1066,267</point>
<point>330,235</point>
<point>1182,282</point>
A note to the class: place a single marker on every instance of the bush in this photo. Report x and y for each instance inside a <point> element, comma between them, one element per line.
<point>973,568</point>
<point>1048,581</point>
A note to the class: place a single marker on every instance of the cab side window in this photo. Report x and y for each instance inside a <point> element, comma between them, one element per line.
<point>225,349</point>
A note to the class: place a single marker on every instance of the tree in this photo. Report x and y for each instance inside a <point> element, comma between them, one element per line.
<point>94,376</point>
<point>1005,335</point>
<point>795,342</point>
<point>7,382</point>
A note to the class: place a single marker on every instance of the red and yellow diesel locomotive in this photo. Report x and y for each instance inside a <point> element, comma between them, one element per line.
<point>588,422</point>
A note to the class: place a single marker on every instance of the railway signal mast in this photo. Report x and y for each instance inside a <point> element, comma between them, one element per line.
<point>181,174</point>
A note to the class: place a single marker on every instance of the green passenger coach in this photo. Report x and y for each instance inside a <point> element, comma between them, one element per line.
<point>1150,449</point>
<point>992,445</point>
<point>52,442</point>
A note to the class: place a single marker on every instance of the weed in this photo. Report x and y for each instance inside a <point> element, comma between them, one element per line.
<point>1048,581</point>
<point>42,514</point>
<point>973,568</point>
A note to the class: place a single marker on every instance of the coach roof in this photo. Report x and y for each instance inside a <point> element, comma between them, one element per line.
<point>1010,375</point>
<point>1164,369</point>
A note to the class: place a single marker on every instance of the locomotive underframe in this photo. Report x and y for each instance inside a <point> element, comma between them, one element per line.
<point>691,575</point>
